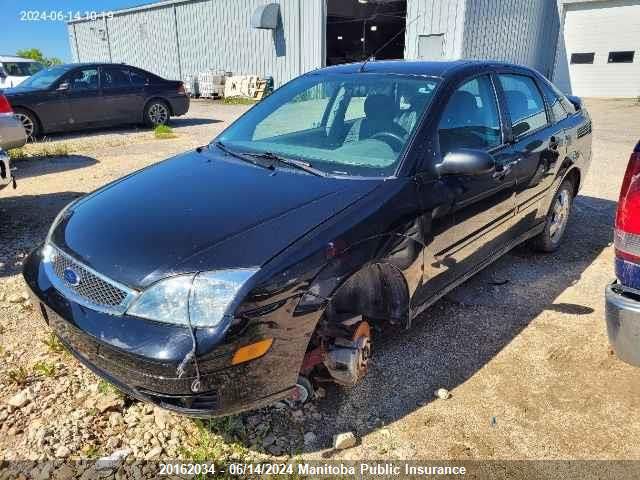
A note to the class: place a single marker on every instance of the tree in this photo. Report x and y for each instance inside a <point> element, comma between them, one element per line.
<point>36,54</point>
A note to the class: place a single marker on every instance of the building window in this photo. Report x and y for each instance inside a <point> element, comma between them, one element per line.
<point>582,57</point>
<point>621,57</point>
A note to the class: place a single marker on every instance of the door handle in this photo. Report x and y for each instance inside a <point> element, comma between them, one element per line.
<point>506,169</point>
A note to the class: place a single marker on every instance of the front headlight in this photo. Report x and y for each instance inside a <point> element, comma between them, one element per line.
<point>203,298</point>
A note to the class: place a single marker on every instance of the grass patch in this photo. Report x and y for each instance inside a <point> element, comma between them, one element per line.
<point>239,101</point>
<point>45,369</point>
<point>163,132</point>
<point>106,388</point>
<point>210,444</point>
<point>90,451</point>
<point>19,375</point>
<point>40,151</point>
<point>54,344</point>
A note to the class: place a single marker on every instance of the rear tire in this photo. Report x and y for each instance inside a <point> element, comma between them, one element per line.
<point>29,122</point>
<point>557,219</point>
<point>156,113</point>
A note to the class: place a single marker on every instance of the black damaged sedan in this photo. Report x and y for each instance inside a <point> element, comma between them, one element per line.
<point>241,273</point>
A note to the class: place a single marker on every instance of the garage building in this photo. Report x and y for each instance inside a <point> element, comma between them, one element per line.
<point>599,51</point>
<point>284,39</point>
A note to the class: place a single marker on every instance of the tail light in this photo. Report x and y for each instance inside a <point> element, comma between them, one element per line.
<point>181,89</point>
<point>627,227</point>
<point>5,106</point>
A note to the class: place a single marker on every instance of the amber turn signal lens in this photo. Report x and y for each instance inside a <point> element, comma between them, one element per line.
<point>250,352</point>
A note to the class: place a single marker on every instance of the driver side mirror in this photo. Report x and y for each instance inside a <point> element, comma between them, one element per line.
<point>466,161</point>
<point>63,87</point>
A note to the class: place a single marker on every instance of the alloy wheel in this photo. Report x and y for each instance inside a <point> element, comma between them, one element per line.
<point>27,123</point>
<point>158,114</point>
<point>559,215</point>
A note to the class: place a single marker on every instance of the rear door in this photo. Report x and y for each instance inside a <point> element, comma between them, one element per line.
<point>122,100</point>
<point>536,144</point>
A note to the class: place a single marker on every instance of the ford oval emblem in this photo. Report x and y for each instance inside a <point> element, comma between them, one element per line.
<point>71,277</point>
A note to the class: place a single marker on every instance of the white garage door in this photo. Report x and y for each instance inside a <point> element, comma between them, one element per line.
<point>602,41</point>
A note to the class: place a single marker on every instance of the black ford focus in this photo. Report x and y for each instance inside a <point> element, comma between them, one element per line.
<point>238,274</point>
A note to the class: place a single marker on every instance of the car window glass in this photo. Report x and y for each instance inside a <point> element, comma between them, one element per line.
<point>138,78</point>
<point>355,110</point>
<point>342,124</point>
<point>568,106</point>
<point>112,77</point>
<point>471,119</point>
<point>524,103</point>
<point>307,108</point>
<point>557,110</point>
<point>21,69</point>
<point>84,79</point>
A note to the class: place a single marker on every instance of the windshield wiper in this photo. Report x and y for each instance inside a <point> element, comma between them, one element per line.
<point>242,156</point>
<point>299,164</point>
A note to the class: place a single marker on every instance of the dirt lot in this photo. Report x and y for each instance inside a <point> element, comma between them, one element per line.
<point>527,361</point>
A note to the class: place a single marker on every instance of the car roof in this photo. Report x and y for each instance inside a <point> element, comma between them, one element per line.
<point>416,67</point>
<point>13,58</point>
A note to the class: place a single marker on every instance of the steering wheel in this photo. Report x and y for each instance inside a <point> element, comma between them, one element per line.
<point>395,141</point>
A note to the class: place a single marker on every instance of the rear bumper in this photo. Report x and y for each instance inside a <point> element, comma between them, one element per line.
<point>12,133</point>
<point>623,323</point>
<point>141,358</point>
<point>179,105</point>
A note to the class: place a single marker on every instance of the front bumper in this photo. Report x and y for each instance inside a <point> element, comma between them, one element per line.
<point>141,357</point>
<point>623,322</point>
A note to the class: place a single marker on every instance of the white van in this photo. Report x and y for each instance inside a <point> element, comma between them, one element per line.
<point>14,70</point>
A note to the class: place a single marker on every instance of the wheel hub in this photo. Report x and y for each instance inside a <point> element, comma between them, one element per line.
<point>348,359</point>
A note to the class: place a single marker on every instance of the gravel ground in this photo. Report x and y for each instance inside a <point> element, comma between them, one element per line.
<point>521,347</point>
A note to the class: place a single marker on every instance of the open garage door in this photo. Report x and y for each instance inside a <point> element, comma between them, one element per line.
<point>603,48</point>
<point>356,29</point>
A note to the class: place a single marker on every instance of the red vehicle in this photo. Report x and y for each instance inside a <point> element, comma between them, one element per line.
<point>623,295</point>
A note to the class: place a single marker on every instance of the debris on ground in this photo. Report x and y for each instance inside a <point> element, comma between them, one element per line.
<point>442,394</point>
<point>343,441</point>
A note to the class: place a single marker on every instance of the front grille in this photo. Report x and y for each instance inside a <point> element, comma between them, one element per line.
<point>90,288</point>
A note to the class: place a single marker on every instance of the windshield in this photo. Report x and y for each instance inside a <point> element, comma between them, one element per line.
<point>44,78</point>
<point>351,124</point>
<point>21,69</point>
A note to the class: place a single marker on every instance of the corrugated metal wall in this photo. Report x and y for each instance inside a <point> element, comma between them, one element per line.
<point>176,39</point>
<point>434,17</point>
<point>518,31</point>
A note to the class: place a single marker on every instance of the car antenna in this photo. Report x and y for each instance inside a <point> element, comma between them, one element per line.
<point>373,55</point>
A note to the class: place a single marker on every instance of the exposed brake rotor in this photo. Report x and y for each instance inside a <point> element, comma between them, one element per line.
<point>348,358</point>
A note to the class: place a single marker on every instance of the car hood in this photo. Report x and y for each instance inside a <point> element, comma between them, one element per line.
<point>198,212</point>
<point>19,90</point>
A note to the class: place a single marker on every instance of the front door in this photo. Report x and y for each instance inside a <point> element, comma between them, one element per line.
<point>484,205</point>
<point>83,95</point>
